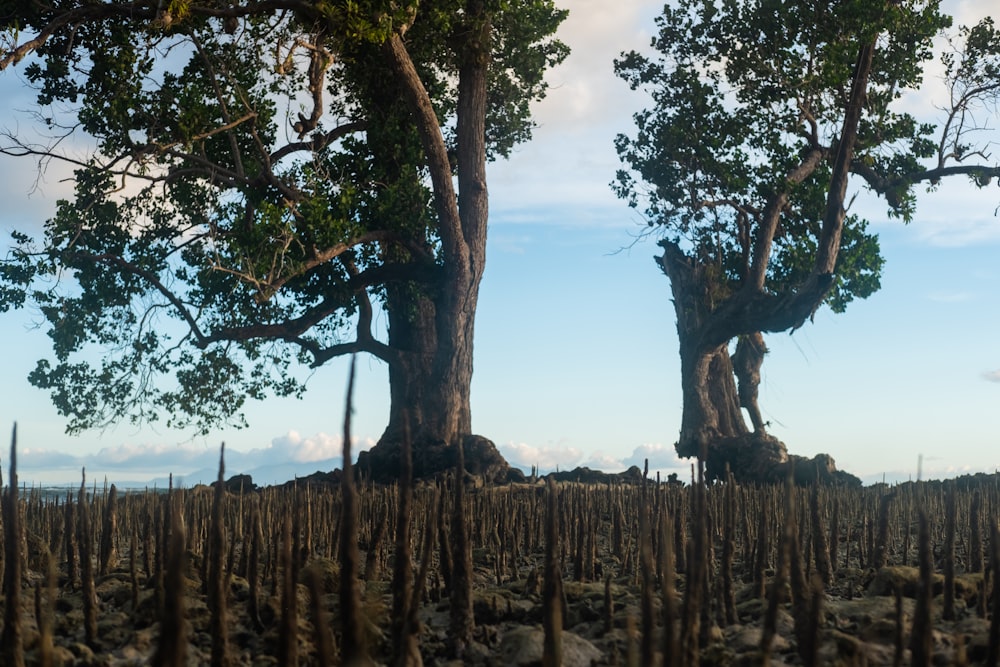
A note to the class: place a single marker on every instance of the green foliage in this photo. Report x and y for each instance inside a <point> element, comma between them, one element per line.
<point>742,92</point>
<point>257,181</point>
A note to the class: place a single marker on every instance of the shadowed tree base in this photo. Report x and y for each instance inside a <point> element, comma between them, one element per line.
<point>382,463</point>
<point>758,458</point>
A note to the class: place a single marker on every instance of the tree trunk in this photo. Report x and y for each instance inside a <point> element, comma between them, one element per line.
<point>430,387</point>
<point>712,423</point>
<point>747,360</point>
<point>432,326</point>
<point>711,409</point>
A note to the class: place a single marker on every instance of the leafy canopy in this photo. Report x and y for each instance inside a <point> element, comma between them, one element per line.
<point>257,181</point>
<point>744,92</point>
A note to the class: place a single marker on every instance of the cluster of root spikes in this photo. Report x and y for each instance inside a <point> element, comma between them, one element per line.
<point>446,572</point>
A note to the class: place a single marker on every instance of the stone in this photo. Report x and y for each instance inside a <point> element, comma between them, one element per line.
<point>239,484</point>
<point>905,578</point>
<point>524,646</point>
<point>585,475</point>
<point>745,639</point>
<point>382,463</point>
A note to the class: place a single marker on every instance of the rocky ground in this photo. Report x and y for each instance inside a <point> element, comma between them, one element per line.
<point>862,621</point>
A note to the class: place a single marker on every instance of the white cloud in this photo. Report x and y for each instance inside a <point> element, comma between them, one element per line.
<point>287,456</point>
<point>293,446</point>
<point>604,462</point>
<point>660,457</point>
<point>153,456</point>
<point>992,376</point>
<point>28,458</point>
<point>319,447</point>
<point>978,228</point>
<point>562,176</point>
<point>584,89</point>
<point>545,458</point>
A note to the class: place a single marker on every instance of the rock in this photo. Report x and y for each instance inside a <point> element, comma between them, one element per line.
<point>755,457</point>
<point>844,649</point>
<point>907,579</point>
<point>63,656</point>
<point>585,475</point>
<point>317,478</point>
<point>967,588</point>
<point>523,646</point>
<point>328,573</point>
<point>82,654</point>
<point>759,458</point>
<point>744,639</point>
<point>382,463</point>
<point>823,469</point>
<point>239,484</point>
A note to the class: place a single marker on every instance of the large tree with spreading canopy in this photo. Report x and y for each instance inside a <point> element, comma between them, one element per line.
<point>265,175</point>
<point>763,114</point>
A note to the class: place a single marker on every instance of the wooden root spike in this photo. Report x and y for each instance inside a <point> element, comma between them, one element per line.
<point>171,649</point>
<point>552,613</point>
<point>217,579</point>
<point>11,641</point>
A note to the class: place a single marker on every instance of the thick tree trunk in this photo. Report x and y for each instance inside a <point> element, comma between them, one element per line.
<point>711,410</point>
<point>712,423</point>
<point>430,380</point>
<point>713,309</point>
<point>429,388</point>
<point>432,327</point>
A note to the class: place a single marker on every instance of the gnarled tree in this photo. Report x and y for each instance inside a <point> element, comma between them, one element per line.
<point>763,113</point>
<point>264,175</point>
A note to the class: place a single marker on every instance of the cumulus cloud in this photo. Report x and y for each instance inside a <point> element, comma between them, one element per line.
<point>34,458</point>
<point>604,462</point>
<point>524,456</point>
<point>562,175</point>
<point>660,456</point>
<point>992,376</point>
<point>290,455</point>
<point>584,86</point>
<point>293,446</point>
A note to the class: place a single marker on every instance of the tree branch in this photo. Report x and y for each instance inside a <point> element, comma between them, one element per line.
<point>268,288</point>
<point>127,267</point>
<point>452,241</point>
<point>365,340</point>
<point>380,274</point>
<point>148,12</point>
<point>764,237</point>
<point>319,141</point>
<point>882,185</point>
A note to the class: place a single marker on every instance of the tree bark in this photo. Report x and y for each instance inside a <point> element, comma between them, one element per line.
<point>433,326</point>
<point>747,360</point>
<point>429,386</point>
<point>712,423</point>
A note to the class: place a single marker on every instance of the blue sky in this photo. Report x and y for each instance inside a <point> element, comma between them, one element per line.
<point>576,352</point>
